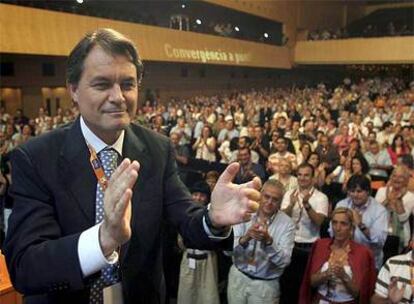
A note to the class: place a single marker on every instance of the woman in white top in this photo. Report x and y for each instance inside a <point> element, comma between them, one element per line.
<point>339,270</point>
<point>205,145</point>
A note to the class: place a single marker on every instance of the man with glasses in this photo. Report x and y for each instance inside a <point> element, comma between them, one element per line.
<point>370,217</point>
<point>262,250</point>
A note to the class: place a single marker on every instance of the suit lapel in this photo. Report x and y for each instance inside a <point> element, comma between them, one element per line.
<point>77,174</point>
<point>135,149</point>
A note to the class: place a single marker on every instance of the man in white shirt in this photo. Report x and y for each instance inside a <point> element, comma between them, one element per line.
<point>308,208</point>
<point>399,203</point>
<point>74,218</point>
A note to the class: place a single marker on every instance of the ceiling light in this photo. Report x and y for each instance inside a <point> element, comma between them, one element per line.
<point>182,5</point>
<point>236,28</point>
<point>79,1</point>
<point>266,35</point>
<point>198,21</point>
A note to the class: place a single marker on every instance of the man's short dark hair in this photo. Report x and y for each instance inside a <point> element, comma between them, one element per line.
<point>275,184</point>
<point>201,187</point>
<point>110,41</point>
<point>306,165</point>
<point>359,181</point>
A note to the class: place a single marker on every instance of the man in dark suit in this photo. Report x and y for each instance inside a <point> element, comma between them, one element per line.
<point>57,248</point>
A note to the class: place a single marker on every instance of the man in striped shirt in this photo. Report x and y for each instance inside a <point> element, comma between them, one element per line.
<point>395,280</point>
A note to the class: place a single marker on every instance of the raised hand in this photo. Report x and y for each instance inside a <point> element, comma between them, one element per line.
<point>230,203</point>
<point>395,294</point>
<point>258,232</point>
<point>357,217</point>
<point>294,197</point>
<point>116,226</point>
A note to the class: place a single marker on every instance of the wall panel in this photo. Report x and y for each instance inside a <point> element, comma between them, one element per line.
<point>34,31</point>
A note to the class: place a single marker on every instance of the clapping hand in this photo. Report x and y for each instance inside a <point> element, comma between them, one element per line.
<point>294,198</point>
<point>395,294</point>
<point>230,203</point>
<point>339,272</point>
<point>357,217</point>
<point>116,226</point>
<point>258,232</point>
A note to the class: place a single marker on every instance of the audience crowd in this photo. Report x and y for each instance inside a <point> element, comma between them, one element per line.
<point>368,31</point>
<point>338,175</point>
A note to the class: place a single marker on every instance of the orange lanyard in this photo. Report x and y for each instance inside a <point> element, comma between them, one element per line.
<point>97,168</point>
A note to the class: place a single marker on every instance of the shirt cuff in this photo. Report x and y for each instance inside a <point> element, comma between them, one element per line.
<point>91,257</point>
<point>214,237</point>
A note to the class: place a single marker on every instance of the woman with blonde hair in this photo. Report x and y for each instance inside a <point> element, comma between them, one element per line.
<point>339,270</point>
<point>282,171</point>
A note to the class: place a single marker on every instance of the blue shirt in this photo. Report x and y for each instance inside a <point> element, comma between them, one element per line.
<point>375,218</point>
<point>269,261</point>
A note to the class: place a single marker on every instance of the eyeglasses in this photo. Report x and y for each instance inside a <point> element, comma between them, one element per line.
<point>273,200</point>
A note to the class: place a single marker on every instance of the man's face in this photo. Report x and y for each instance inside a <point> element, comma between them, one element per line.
<point>258,132</point>
<point>305,178</point>
<point>181,122</point>
<point>175,139</point>
<point>281,145</point>
<point>242,142</point>
<point>107,93</point>
<point>323,141</point>
<point>374,148</point>
<point>358,196</point>
<point>229,125</point>
<point>199,197</point>
<point>310,126</point>
<point>244,156</point>
<point>399,179</point>
<point>270,199</point>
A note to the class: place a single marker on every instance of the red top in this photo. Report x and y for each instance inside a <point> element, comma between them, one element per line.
<point>361,261</point>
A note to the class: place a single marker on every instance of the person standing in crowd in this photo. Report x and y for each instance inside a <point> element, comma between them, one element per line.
<point>82,219</point>
<point>328,154</point>
<point>248,170</point>
<point>198,283</point>
<point>394,282</point>
<point>229,132</point>
<point>260,145</point>
<point>282,171</point>
<point>370,217</point>
<point>304,151</point>
<point>243,142</point>
<point>262,249</point>
<point>339,270</point>
<point>308,208</point>
<point>182,155</point>
<point>182,128</point>
<point>399,202</point>
<point>379,162</point>
<point>398,148</point>
<point>205,145</point>
<point>282,152</point>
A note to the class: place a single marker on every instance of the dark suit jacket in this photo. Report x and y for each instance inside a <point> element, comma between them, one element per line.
<point>54,190</point>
